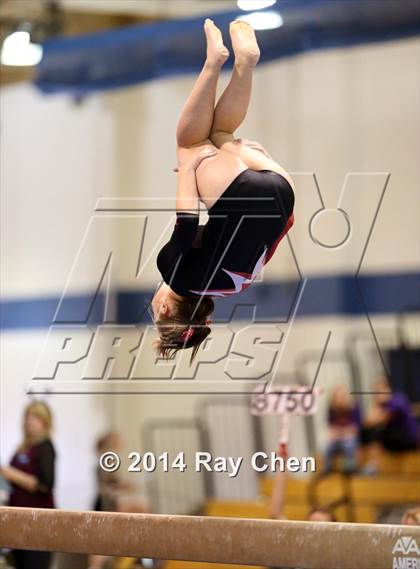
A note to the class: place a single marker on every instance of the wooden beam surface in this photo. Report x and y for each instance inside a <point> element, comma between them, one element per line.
<point>307,545</point>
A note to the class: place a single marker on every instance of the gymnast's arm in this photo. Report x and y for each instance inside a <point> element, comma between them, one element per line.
<point>187,216</point>
<point>187,211</point>
<point>184,235</point>
<point>187,198</point>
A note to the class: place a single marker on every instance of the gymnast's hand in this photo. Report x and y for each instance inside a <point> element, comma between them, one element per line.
<point>194,164</point>
<point>252,144</point>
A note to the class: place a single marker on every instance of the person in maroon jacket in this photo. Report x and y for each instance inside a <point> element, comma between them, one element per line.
<point>31,475</point>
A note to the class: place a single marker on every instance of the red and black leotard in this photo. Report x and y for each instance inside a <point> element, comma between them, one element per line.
<point>245,226</point>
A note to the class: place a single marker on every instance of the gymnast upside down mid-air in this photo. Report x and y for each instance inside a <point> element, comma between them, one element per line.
<point>248,196</point>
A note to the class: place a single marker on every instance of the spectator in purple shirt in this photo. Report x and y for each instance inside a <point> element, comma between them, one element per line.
<point>390,425</point>
<point>31,475</point>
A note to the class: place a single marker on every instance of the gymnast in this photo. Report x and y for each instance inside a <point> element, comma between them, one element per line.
<point>248,196</point>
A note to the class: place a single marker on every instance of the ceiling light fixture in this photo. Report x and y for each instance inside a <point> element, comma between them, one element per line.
<point>18,50</point>
<point>268,20</point>
<point>255,4</point>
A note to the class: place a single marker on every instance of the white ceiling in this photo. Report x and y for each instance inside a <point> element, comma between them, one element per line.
<point>156,8</point>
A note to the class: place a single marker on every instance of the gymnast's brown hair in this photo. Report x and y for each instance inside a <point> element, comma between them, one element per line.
<point>187,326</point>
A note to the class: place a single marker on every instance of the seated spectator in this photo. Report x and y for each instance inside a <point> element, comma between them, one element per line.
<point>390,425</point>
<point>343,428</point>
<point>411,517</point>
<point>317,514</point>
<point>320,515</point>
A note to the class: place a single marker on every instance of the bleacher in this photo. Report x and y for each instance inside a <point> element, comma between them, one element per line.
<point>397,483</point>
<point>351,497</point>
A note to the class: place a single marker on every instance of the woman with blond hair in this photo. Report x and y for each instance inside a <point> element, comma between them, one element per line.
<point>31,474</point>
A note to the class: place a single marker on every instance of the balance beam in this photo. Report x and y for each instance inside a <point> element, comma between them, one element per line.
<point>307,545</point>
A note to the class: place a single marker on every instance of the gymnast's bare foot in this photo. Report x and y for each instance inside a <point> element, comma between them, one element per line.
<point>244,43</point>
<point>217,53</point>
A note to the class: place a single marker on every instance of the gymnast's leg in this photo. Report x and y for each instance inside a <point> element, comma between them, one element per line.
<point>194,126</point>
<point>233,104</point>
<point>197,114</point>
